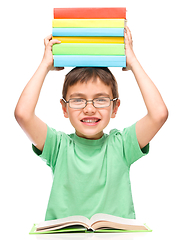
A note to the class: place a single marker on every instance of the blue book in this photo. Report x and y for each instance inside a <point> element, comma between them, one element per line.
<point>89,61</point>
<point>113,32</point>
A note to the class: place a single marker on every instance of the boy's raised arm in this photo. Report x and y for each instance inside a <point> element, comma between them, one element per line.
<point>157,112</point>
<point>34,127</point>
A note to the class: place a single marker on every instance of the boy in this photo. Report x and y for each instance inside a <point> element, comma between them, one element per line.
<point>91,169</point>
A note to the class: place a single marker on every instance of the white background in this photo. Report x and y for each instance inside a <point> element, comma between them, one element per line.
<point>25,179</point>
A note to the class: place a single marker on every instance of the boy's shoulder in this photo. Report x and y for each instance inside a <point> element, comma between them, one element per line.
<point>130,129</point>
<point>114,132</point>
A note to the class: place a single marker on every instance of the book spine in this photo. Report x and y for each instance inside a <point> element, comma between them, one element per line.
<point>116,32</point>
<point>88,49</point>
<point>89,61</point>
<point>88,23</point>
<point>83,13</point>
<point>90,39</point>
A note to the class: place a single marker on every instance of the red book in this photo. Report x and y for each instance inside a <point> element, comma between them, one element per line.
<point>89,13</point>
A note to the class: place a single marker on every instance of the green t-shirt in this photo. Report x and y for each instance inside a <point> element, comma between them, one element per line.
<point>91,176</point>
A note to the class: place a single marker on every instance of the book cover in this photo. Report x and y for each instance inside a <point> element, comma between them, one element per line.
<point>89,61</point>
<point>114,32</point>
<point>88,49</point>
<point>90,39</point>
<point>88,23</point>
<point>119,12</point>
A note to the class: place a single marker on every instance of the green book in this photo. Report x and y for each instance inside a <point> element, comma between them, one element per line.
<point>98,223</point>
<point>88,49</point>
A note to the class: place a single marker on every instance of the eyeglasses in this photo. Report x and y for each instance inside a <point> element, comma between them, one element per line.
<point>78,103</point>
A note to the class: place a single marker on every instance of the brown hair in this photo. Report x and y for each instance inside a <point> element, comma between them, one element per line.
<point>84,74</point>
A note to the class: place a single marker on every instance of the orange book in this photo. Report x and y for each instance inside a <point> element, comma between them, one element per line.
<point>90,39</point>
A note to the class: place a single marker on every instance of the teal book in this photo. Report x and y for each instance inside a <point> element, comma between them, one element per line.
<point>89,61</point>
<point>88,49</point>
<point>117,32</point>
<point>98,223</point>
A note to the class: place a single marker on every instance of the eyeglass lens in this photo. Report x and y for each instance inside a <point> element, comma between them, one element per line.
<point>97,102</point>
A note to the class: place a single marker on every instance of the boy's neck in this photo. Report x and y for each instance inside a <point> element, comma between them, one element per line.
<point>95,137</point>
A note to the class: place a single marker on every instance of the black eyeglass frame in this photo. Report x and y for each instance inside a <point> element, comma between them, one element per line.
<point>86,101</point>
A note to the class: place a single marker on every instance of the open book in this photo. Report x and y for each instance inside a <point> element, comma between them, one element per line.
<point>98,223</point>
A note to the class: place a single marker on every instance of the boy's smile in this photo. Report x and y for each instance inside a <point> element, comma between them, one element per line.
<point>89,121</point>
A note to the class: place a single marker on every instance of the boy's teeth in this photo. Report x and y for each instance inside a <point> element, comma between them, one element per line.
<point>89,120</point>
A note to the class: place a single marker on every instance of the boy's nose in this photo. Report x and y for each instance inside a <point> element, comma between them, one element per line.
<point>89,109</point>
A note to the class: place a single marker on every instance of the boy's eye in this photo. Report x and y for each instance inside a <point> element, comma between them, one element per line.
<point>77,100</point>
<point>100,100</point>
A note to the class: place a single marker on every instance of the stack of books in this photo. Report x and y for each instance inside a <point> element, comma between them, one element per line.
<point>90,37</point>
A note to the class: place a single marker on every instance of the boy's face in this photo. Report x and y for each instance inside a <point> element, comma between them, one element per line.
<point>89,122</point>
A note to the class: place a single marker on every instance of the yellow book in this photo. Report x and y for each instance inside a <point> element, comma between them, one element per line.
<point>90,39</point>
<point>88,23</point>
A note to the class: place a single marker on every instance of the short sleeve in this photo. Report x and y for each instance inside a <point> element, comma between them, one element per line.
<point>51,147</point>
<point>130,146</point>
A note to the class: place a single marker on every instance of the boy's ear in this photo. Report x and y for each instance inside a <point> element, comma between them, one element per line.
<point>64,108</point>
<point>115,109</point>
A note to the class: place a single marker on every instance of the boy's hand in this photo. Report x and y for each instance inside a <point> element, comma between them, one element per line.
<point>48,56</point>
<point>130,56</point>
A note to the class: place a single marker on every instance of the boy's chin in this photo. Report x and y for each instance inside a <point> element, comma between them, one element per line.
<point>91,136</point>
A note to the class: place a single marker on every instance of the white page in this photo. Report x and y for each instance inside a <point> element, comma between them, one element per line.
<point>111,218</point>
<point>64,220</point>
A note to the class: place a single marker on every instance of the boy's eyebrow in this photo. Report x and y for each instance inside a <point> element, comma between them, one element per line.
<point>101,95</point>
<point>83,95</point>
<point>77,95</point>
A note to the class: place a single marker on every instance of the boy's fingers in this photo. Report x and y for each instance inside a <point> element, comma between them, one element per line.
<point>54,41</point>
<point>51,43</point>
<point>128,37</point>
<point>124,69</point>
<point>129,34</point>
<point>47,39</point>
<point>59,68</point>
